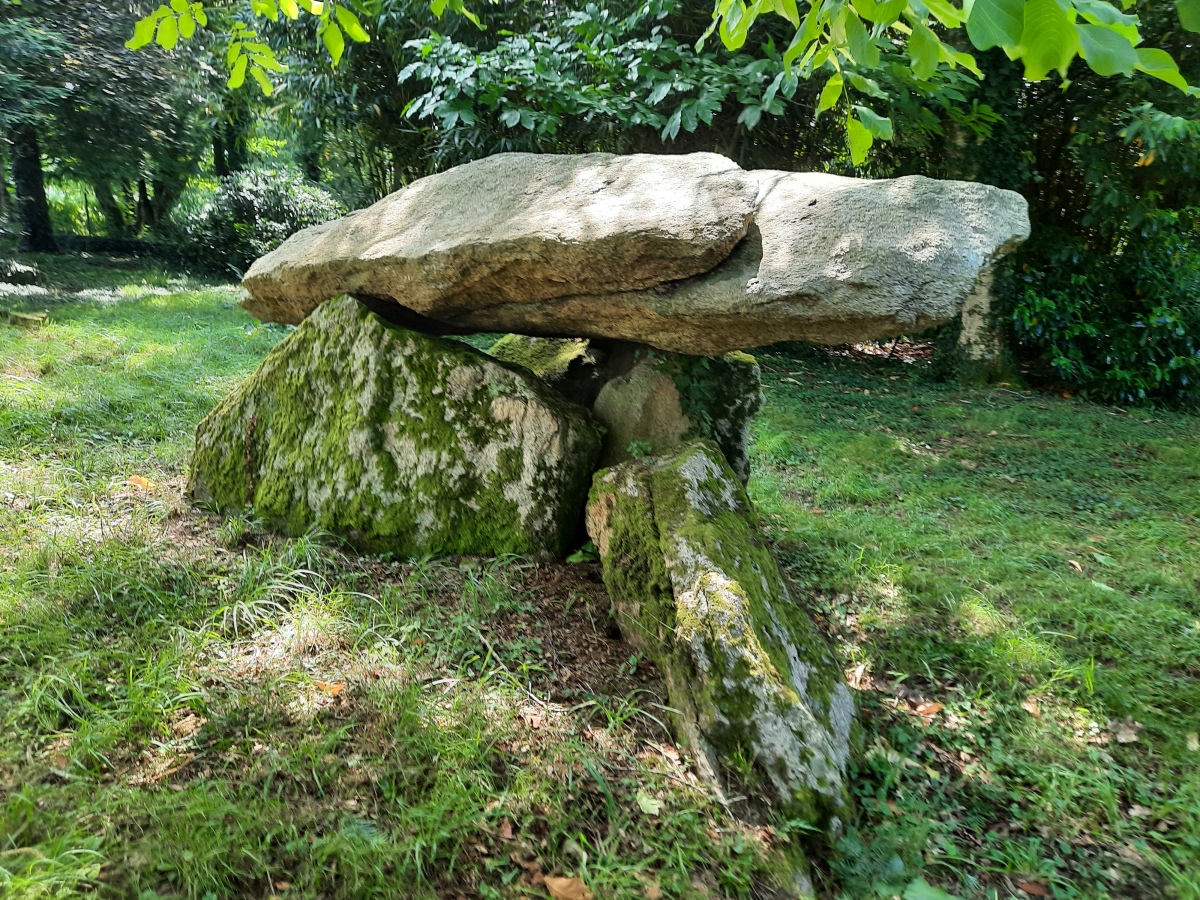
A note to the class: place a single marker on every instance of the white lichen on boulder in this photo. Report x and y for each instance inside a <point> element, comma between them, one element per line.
<point>697,592</point>
<point>400,442</point>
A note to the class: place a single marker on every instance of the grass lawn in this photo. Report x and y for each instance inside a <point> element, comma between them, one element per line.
<point>192,708</point>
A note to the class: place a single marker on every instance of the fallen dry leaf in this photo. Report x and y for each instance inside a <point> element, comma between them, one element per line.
<point>857,678</point>
<point>969,464</point>
<point>1138,812</point>
<point>1075,565</point>
<point>1193,741</point>
<point>567,888</point>
<point>282,885</point>
<point>527,861</point>
<point>141,483</point>
<point>1034,888</point>
<point>329,688</point>
<point>506,830</point>
<point>1031,706</point>
<point>652,891</point>
<point>188,725</point>
<point>929,709</point>
<point>1127,731</point>
<point>818,512</point>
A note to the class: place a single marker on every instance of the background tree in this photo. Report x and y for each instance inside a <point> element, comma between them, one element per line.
<point>27,94</point>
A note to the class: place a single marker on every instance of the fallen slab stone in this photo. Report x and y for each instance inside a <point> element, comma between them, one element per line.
<point>648,400</point>
<point>696,591</point>
<point>515,227</point>
<point>400,442</point>
<point>828,259</point>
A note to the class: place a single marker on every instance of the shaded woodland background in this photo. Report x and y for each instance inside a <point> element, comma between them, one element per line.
<point>153,146</point>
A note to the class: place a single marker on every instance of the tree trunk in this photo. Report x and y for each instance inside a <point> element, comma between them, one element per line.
<point>114,216</point>
<point>220,162</point>
<point>145,214</point>
<point>235,141</point>
<point>37,234</point>
<point>5,197</point>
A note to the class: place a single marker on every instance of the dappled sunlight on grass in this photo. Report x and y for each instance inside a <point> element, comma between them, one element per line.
<point>190,707</point>
<point>1013,580</point>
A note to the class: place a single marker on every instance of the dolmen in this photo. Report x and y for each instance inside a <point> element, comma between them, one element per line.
<point>628,289</point>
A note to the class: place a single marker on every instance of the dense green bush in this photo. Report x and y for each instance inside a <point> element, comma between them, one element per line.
<point>1123,326</point>
<point>251,213</point>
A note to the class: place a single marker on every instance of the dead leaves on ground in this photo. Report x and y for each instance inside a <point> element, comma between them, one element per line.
<point>567,888</point>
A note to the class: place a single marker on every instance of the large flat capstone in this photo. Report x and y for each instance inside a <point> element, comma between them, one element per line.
<point>399,441</point>
<point>689,254</point>
<point>516,228</point>
<point>748,674</point>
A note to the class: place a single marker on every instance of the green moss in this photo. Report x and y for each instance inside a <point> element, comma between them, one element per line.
<point>547,358</point>
<point>399,441</point>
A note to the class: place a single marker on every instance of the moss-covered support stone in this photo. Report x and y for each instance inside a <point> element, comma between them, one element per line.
<point>697,592</point>
<point>399,441</point>
<point>648,400</point>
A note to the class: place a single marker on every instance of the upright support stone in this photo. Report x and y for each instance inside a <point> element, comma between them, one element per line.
<point>648,400</point>
<point>698,593</point>
<point>400,442</point>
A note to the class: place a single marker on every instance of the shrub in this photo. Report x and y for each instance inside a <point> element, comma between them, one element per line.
<point>251,213</point>
<point>1123,326</point>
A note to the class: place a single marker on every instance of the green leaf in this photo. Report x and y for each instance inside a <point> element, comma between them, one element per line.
<point>880,11</point>
<point>270,63</point>
<point>1158,64</point>
<point>867,86</point>
<point>264,83</point>
<point>351,25</point>
<point>862,48</point>
<point>1049,41</point>
<point>168,33</point>
<point>648,804</point>
<point>945,13</point>
<point>231,55</point>
<point>238,75</point>
<point>830,94</point>
<point>924,49</point>
<point>331,37</point>
<point>750,116</point>
<point>879,126</point>
<point>996,23</point>
<point>290,9</point>
<point>920,889</point>
<point>180,6</point>
<point>1098,12</point>
<point>1106,51</point>
<point>187,25</point>
<point>143,33</point>
<point>860,140</point>
<point>1189,14</point>
<point>199,14</point>
<point>789,10</point>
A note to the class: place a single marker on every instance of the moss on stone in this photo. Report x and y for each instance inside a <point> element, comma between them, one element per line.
<point>399,441</point>
<point>547,358</point>
<point>696,590</point>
